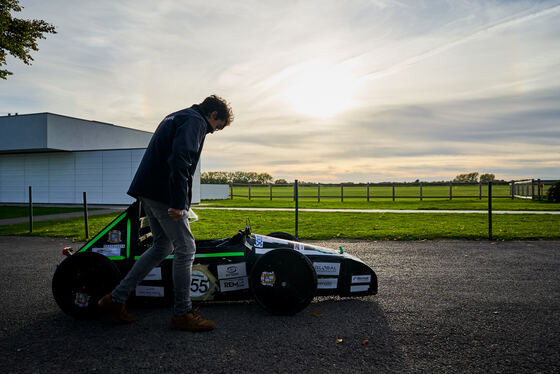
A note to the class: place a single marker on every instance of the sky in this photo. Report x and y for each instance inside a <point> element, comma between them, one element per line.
<point>322,91</point>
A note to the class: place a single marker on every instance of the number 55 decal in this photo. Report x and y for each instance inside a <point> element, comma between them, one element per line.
<point>203,283</point>
<point>199,285</point>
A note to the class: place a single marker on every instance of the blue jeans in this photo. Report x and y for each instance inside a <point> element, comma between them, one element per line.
<point>168,235</point>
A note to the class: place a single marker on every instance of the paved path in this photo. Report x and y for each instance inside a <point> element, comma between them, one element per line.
<point>385,210</point>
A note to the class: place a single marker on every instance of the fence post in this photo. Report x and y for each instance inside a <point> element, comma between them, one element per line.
<point>86,215</point>
<point>249,191</point>
<point>511,189</point>
<point>539,188</point>
<point>296,197</point>
<point>479,190</point>
<point>368,192</point>
<point>420,191</point>
<point>271,192</point>
<point>532,189</point>
<point>393,192</point>
<point>489,210</point>
<point>341,192</point>
<point>30,209</point>
<point>450,190</point>
<point>318,192</point>
<point>231,191</point>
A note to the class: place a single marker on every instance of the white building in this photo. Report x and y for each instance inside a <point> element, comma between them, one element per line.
<point>61,157</point>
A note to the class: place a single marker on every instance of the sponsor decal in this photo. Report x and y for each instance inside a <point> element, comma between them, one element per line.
<point>327,283</point>
<point>268,278</point>
<point>150,291</point>
<point>258,241</point>
<point>114,237</point>
<point>109,250</point>
<point>203,283</point>
<point>327,268</point>
<point>234,284</point>
<point>359,288</point>
<point>154,274</point>
<point>232,270</point>
<point>361,278</point>
<point>81,299</point>
<point>299,246</point>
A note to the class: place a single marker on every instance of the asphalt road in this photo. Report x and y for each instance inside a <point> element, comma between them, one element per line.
<point>444,306</point>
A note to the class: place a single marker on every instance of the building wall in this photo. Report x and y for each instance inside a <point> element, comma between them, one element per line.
<point>62,177</point>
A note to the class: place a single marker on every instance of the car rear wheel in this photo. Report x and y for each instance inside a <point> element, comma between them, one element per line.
<point>81,280</point>
<point>283,281</point>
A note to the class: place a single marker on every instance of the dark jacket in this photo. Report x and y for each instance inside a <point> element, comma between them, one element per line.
<point>167,168</point>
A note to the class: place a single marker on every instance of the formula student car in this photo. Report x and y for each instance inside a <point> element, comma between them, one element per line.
<point>280,273</point>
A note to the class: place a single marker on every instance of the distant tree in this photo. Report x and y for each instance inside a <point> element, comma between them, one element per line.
<point>280,181</point>
<point>19,36</point>
<point>264,178</point>
<point>466,178</point>
<point>214,177</point>
<point>485,178</point>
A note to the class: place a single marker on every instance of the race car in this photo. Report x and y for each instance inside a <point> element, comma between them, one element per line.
<point>280,273</point>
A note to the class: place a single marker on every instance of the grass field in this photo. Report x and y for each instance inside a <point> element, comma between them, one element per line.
<point>369,226</point>
<point>350,191</point>
<point>312,225</point>
<point>413,204</point>
<point>23,211</point>
<point>463,197</point>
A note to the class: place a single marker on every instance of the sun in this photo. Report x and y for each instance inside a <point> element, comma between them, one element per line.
<point>320,90</point>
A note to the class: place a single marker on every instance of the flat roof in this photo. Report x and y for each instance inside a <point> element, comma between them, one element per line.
<point>43,132</point>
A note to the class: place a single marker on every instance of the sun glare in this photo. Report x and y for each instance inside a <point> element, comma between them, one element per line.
<point>320,90</point>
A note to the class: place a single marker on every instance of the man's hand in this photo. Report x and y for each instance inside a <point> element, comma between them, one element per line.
<point>176,214</point>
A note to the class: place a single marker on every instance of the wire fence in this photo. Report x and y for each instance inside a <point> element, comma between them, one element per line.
<point>533,188</point>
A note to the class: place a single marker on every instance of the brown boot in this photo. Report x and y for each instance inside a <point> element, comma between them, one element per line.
<point>192,321</point>
<point>117,310</point>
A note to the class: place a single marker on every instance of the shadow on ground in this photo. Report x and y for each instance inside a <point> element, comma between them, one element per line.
<point>247,340</point>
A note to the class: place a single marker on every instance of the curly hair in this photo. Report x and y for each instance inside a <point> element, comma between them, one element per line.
<point>215,103</point>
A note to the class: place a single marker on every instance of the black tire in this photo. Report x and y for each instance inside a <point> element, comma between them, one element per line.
<point>283,281</point>
<point>283,235</point>
<point>81,280</point>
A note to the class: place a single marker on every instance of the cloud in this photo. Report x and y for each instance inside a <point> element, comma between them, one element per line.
<point>419,88</point>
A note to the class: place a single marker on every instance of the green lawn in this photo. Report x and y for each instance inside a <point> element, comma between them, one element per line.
<point>23,211</point>
<point>68,228</point>
<point>312,225</point>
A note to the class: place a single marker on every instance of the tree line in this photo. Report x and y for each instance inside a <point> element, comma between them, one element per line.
<point>245,177</point>
<point>226,177</point>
